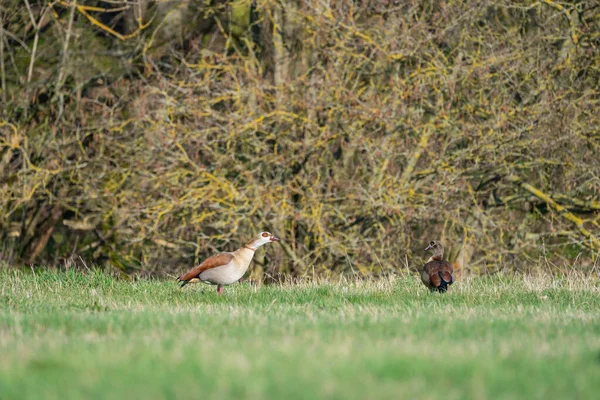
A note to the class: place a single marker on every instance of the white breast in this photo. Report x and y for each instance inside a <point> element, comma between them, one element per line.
<point>227,274</point>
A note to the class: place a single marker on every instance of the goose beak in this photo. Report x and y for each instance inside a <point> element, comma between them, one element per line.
<point>274,239</point>
<point>428,248</point>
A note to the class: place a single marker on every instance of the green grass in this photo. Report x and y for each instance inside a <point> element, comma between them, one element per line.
<point>71,335</point>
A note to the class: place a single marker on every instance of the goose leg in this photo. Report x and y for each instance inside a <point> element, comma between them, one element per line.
<point>219,289</point>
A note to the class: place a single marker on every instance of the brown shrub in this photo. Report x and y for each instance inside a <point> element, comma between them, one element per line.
<point>356,132</point>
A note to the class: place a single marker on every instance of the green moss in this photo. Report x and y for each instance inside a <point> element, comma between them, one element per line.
<point>240,17</point>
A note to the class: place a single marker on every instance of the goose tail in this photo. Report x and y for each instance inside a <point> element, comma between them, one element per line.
<point>183,283</point>
<point>444,283</point>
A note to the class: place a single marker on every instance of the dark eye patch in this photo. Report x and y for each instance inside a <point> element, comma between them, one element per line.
<point>265,234</point>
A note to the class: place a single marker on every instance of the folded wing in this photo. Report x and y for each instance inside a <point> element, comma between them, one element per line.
<point>440,273</point>
<point>215,261</point>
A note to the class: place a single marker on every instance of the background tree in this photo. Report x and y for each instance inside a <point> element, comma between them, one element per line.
<point>144,135</point>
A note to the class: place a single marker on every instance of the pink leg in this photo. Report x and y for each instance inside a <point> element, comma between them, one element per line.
<point>219,289</point>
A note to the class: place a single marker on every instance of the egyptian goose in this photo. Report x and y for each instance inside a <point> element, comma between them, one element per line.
<point>437,274</point>
<point>226,268</point>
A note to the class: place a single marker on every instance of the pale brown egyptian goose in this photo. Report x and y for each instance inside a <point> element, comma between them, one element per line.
<point>226,268</point>
<point>437,274</point>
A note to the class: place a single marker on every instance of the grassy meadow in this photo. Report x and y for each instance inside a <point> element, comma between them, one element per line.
<point>68,335</point>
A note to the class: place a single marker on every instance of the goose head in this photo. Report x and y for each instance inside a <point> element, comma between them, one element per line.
<point>262,239</point>
<point>437,249</point>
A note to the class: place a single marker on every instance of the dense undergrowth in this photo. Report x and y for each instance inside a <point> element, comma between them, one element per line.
<point>145,135</point>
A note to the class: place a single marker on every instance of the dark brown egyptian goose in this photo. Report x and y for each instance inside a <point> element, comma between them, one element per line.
<point>437,274</point>
<point>226,268</point>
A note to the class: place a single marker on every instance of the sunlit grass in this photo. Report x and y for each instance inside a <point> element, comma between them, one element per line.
<point>73,335</point>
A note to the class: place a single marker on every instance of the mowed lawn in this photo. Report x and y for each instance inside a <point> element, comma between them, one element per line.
<point>71,335</point>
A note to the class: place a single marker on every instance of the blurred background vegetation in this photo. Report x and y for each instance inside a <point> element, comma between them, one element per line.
<point>143,135</point>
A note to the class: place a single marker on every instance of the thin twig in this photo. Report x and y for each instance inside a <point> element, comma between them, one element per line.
<point>2,54</point>
<point>61,72</point>
<point>36,26</point>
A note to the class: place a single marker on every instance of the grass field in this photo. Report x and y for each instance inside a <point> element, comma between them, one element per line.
<point>70,335</point>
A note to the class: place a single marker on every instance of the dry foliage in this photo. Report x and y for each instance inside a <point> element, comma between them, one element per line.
<point>146,135</point>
